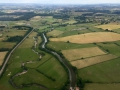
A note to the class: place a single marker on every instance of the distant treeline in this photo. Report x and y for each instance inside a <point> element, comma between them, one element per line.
<point>22,27</point>
<point>2,26</point>
<point>24,16</point>
<point>4,49</point>
<point>61,16</point>
<point>94,11</point>
<point>80,17</point>
<point>28,15</point>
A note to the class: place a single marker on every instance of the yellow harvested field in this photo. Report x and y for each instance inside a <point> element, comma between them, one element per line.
<point>75,54</point>
<point>0,35</point>
<point>109,26</point>
<point>71,22</point>
<point>20,23</point>
<point>36,18</point>
<point>90,37</point>
<point>54,33</point>
<point>2,56</point>
<point>1,39</point>
<point>97,86</point>
<point>91,61</point>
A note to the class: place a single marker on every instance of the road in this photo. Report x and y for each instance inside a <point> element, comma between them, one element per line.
<point>3,67</point>
<point>72,75</point>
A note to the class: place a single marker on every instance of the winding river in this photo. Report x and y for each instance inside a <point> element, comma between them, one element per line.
<point>72,75</point>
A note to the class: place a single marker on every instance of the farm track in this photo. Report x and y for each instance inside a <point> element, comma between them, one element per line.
<point>72,75</point>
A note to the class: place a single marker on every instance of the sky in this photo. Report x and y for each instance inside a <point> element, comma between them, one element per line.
<point>61,1</point>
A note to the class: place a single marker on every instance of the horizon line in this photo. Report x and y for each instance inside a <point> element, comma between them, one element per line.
<point>64,3</point>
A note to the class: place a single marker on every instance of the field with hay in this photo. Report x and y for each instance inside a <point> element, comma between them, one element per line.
<point>15,33</point>
<point>90,37</point>
<point>0,35</point>
<point>76,54</point>
<point>2,56</point>
<point>54,33</point>
<point>1,39</point>
<point>20,23</point>
<point>109,26</point>
<point>82,63</point>
<point>29,41</point>
<point>35,18</point>
<point>71,22</point>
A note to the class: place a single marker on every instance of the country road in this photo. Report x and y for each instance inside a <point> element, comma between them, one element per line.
<point>72,75</point>
<point>3,67</point>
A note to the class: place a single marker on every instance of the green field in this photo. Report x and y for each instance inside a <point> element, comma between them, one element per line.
<point>7,44</point>
<point>111,48</point>
<point>24,54</point>
<point>98,73</point>
<point>70,22</point>
<point>103,72</point>
<point>102,86</point>
<point>53,69</point>
<point>9,33</point>
<point>86,37</point>
<point>15,33</point>
<point>54,33</point>
<point>58,46</point>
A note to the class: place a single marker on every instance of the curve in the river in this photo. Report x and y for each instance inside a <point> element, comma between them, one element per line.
<point>72,74</point>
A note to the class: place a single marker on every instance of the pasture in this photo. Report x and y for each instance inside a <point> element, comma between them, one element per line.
<point>74,32</point>
<point>75,54</point>
<point>97,86</point>
<point>109,26</point>
<point>90,38</point>
<point>2,56</point>
<point>82,63</point>
<point>111,48</point>
<point>24,53</point>
<point>29,41</point>
<point>71,22</point>
<point>105,72</point>
<point>0,35</point>
<point>20,23</point>
<point>1,39</point>
<point>32,76</point>
<point>6,44</point>
<point>54,33</point>
<point>15,33</point>
<point>44,59</point>
<point>58,46</point>
<point>53,69</point>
